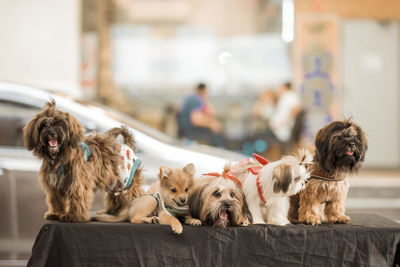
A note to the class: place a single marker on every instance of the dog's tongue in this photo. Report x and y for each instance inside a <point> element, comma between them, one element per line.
<point>350,153</point>
<point>223,215</point>
<point>53,142</point>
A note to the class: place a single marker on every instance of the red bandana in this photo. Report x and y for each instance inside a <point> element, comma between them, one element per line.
<point>226,175</point>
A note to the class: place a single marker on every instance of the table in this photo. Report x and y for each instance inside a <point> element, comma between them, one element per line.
<point>370,240</point>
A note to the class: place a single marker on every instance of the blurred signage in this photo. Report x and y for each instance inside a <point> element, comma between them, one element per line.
<point>316,76</point>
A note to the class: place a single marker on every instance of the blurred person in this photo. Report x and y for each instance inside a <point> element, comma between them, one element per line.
<point>262,110</point>
<point>196,119</point>
<point>288,106</point>
<point>282,118</point>
<point>264,105</point>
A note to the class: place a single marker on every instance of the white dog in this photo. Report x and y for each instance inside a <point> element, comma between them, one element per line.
<point>267,190</point>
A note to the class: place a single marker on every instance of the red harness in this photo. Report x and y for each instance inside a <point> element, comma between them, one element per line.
<point>256,171</point>
<point>259,189</point>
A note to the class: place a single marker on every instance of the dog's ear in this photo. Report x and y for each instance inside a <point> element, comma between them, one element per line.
<point>75,130</point>
<point>363,140</point>
<point>165,172</point>
<point>196,201</point>
<point>189,169</point>
<point>282,178</point>
<point>31,132</point>
<point>321,145</point>
<point>245,208</point>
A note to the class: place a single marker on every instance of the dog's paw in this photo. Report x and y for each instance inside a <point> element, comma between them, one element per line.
<point>177,228</point>
<point>71,218</point>
<point>339,219</point>
<point>279,222</point>
<point>155,220</point>
<point>192,221</point>
<point>51,216</point>
<point>151,220</point>
<point>313,220</point>
<point>195,222</point>
<point>244,223</point>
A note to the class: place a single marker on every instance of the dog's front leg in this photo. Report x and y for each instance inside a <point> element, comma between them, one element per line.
<point>293,214</point>
<point>278,212</point>
<point>170,220</point>
<point>78,207</point>
<point>309,209</point>
<point>56,205</point>
<point>334,212</point>
<point>255,209</point>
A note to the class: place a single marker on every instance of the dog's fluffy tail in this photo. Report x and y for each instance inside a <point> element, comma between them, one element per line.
<point>304,156</point>
<point>126,135</point>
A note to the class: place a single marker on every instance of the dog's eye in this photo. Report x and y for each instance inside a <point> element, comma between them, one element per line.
<point>232,194</point>
<point>340,137</point>
<point>173,190</point>
<point>187,189</point>
<point>217,194</point>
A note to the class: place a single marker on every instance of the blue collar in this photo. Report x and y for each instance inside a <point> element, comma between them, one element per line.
<point>128,180</point>
<point>87,151</point>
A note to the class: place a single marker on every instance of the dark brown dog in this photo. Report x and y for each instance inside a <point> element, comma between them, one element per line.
<point>340,150</point>
<point>72,165</point>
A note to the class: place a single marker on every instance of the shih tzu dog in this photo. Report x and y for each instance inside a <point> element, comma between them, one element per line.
<point>219,202</point>
<point>73,165</point>
<point>267,190</point>
<point>340,149</point>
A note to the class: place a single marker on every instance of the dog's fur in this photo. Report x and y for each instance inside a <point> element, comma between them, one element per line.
<point>219,202</point>
<point>67,179</point>
<point>340,150</point>
<point>113,201</point>
<point>278,180</point>
<point>174,187</point>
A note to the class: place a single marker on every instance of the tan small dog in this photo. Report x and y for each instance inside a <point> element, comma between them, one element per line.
<point>167,205</point>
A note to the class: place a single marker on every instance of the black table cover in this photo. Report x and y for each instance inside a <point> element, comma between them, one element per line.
<point>370,240</point>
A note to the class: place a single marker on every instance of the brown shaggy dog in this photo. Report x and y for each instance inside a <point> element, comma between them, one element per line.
<point>340,150</point>
<point>72,165</point>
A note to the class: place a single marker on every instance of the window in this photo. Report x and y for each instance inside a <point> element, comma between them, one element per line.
<point>13,118</point>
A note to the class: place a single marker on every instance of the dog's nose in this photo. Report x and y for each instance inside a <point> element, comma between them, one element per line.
<point>227,204</point>
<point>352,144</point>
<point>182,200</point>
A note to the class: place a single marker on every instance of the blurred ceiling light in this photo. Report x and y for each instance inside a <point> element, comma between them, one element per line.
<point>287,20</point>
<point>225,58</point>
